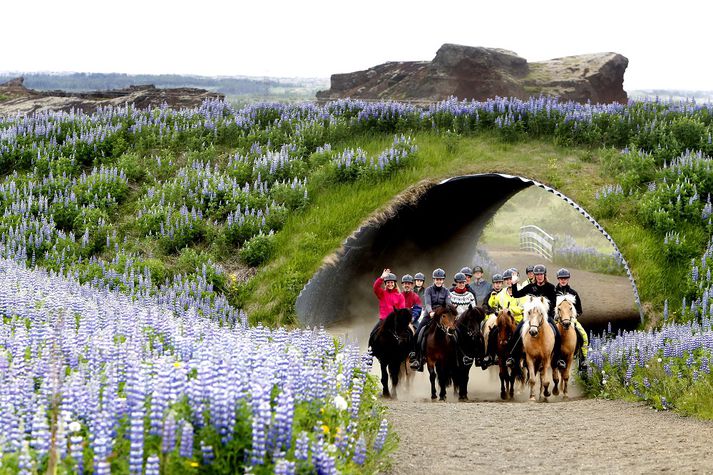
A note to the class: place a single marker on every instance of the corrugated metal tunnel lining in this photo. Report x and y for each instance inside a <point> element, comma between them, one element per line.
<point>438,229</point>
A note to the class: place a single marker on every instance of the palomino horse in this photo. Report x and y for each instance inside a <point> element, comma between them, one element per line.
<point>505,326</point>
<point>565,314</point>
<point>441,349</point>
<point>538,343</point>
<point>470,347</point>
<point>391,343</point>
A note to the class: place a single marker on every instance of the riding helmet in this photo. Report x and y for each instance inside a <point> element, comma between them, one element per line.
<point>529,269</point>
<point>498,277</point>
<point>478,269</point>
<point>507,274</point>
<point>459,277</point>
<point>563,274</point>
<point>390,276</point>
<point>407,279</point>
<point>419,276</point>
<point>439,274</point>
<point>539,269</point>
<point>467,271</point>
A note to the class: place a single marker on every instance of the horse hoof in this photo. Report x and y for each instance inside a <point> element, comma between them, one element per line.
<point>463,398</point>
<point>532,399</point>
<point>433,397</point>
<point>442,399</point>
<point>565,397</point>
<point>556,391</point>
<point>503,395</point>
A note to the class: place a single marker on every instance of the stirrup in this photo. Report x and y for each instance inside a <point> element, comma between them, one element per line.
<point>510,362</point>
<point>583,366</point>
<point>415,364</point>
<point>412,356</point>
<point>467,360</point>
<point>561,364</point>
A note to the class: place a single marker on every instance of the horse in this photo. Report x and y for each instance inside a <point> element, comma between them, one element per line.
<point>390,343</point>
<point>441,349</point>
<point>538,343</point>
<point>565,313</point>
<point>470,346</point>
<point>505,326</point>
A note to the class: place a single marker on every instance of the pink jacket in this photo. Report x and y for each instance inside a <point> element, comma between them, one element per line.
<point>388,299</point>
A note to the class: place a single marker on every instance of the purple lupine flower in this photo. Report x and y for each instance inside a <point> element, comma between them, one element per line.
<point>186,449</point>
<point>359,456</point>
<point>381,436</point>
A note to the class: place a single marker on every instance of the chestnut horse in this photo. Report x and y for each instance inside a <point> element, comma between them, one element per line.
<point>391,343</point>
<point>565,316</point>
<point>505,326</point>
<point>471,347</point>
<point>538,343</point>
<point>441,349</point>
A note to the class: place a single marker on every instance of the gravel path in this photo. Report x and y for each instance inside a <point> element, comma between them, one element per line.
<point>575,436</point>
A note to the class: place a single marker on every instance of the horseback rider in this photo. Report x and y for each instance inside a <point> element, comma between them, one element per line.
<point>435,296</point>
<point>418,287</point>
<point>461,297</point>
<point>481,287</point>
<point>411,299</point>
<point>563,288</point>
<point>529,271</point>
<point>540,288</point>
<point>491,304</point>
<point>504,299</point>
<point>388,294</point>
<point>468,274</point>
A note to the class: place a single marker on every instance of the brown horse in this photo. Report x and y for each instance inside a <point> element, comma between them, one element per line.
<point>505,326</point>
<point>390,342</point>
<point>538,343</point>
<point>565,315</point>
<point>441,349</point>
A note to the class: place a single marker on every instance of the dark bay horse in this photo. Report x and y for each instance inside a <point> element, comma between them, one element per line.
<point>505,328</point>
<point>471,347</point>
<point>390,342</point>
<point>441,349</point>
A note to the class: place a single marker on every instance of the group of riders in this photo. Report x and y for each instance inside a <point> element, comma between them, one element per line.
<point>469,289</point>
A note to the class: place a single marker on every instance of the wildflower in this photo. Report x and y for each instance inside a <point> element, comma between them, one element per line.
<point>340,403</point>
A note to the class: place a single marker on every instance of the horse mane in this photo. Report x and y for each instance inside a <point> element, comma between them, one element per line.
<point>440,311</point>
<point>395,320</point>
<point>504,314</point>
<point>476,313</point>
<point>569,298</point>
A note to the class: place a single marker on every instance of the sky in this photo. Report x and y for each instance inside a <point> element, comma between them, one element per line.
<point>667,43</point>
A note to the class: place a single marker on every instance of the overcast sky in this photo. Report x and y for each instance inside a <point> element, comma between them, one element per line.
<point>668,43</point>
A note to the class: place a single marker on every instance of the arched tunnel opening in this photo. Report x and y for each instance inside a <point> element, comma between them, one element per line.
<point>443,227</point>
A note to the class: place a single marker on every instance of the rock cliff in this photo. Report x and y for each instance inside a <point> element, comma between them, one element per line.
<point>479,73</point>
<point>15,98</point>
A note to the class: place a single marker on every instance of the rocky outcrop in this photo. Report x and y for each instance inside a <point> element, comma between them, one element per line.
<point>15,98</point>
<point>479,73</point>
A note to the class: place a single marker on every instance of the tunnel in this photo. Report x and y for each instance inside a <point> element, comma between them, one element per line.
<point>439,227</point>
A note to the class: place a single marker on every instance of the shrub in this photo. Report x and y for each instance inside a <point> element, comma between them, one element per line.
<point>258,249</point>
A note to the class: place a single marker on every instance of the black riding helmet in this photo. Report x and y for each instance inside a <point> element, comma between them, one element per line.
<point>407,279</point>
<point>459,277</point>
<point>539,269</point>
<point>390,276</point>
<point>563,274</point>
<point>439,274</point>
<point>498,278</point>
<point>507,274</point>
<point>529,269</point>
<point>467,271</point>
<point>419,276</point>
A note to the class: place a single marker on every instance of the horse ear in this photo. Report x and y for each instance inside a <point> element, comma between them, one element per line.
<point>542,299</point>
<point>508,306</point>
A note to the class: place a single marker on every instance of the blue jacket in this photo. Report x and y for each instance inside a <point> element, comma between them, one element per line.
<point>435,297</point>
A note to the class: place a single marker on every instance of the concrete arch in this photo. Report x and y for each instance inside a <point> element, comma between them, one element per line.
<point>438,227</point>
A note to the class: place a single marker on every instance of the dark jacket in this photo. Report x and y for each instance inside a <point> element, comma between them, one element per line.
<point>569,290</point>
<point>435,297</point>
<point>482,290</point>
<point>546,290</point>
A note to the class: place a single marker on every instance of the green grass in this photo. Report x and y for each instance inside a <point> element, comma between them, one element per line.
<point>337,210</point>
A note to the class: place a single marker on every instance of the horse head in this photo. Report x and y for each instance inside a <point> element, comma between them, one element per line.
<point>535,313</point>
<point>445,318</point>
<point>565,310</point>
<point>470,320</point>
<point>396,324</point>
<point>505,324</point>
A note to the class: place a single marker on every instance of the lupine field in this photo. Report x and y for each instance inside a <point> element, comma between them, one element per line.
<point>123,347</point>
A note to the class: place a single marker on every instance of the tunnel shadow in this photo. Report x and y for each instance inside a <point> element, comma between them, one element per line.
<point>439,228</point>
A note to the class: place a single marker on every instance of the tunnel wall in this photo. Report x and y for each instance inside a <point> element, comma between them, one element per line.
<point>439,229</point>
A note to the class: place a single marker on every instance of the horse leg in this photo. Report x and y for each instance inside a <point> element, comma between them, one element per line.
<point>463,382</point>
<point>503,377</point>
<point>565,380</point>
<point>432,377</point>
<point>511,385</point>
<point>545,378</point>
<point>394,369</point>
<point>555,381</point>
<point>442,381</point>
<point>385,379</point>
<point>531,377</point>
